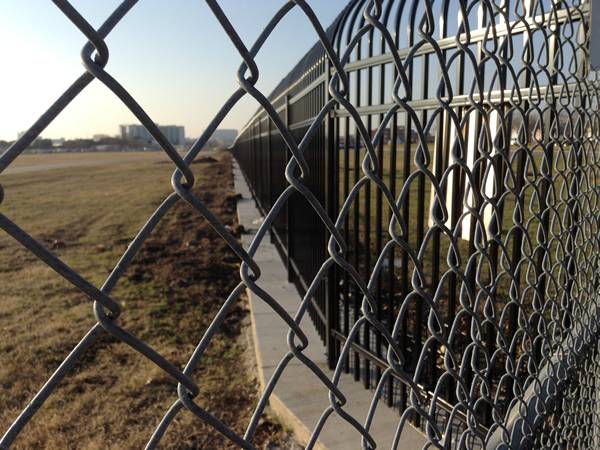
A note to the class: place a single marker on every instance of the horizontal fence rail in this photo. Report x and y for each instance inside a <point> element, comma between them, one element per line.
<point>453,146</point>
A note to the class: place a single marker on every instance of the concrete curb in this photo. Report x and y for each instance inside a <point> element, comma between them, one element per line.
<point>284,414</point>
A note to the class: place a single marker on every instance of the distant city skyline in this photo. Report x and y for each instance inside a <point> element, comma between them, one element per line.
<point>175,134</point>
<point>173,57</point>
<point>228,134</point>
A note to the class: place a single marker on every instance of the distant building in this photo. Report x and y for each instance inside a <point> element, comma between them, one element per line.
<point>136,133</point>
<point>174,134</point>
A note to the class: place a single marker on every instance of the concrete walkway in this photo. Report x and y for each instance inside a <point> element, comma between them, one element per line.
<point>300,397</point>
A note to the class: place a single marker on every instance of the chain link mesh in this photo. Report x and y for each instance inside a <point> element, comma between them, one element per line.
<point>519,351</point>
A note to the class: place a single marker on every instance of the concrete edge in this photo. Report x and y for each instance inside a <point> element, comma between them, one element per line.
<point>291,423</point>
<point>300,431</point>
<point>288,419</point>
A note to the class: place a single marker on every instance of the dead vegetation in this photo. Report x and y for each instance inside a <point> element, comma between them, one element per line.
<point>114,398</point>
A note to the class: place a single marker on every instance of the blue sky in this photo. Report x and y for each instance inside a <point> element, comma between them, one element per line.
<point>172,56</point>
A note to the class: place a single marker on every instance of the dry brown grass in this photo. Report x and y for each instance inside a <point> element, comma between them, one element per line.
<point>115,397</point>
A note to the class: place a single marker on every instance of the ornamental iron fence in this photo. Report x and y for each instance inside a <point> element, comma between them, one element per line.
<point>446,231</point>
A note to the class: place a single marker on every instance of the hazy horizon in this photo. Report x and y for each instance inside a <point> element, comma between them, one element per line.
<point>177,46</point>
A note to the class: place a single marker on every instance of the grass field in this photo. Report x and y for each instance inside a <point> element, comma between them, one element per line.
<point>86,208</point>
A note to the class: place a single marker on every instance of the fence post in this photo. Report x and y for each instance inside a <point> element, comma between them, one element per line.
<point>331,177</point>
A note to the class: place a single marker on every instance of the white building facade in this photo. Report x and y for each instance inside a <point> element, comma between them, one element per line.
<point>175,134</point>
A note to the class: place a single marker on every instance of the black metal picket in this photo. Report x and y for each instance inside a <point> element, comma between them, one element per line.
<point>480,136</point>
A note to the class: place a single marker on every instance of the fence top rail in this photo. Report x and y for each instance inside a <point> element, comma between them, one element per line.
<point>312,58</point>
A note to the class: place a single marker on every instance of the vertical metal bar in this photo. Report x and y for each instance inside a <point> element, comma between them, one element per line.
<point>422,223</point>
<point>495,227</point>
<point>353,241</point>
<point>337,292</point>
<point>289,204</point>
<point>269,164</point>
<point>406,170</point>
<point>546,169</point>
<point>477,124</point>
<point>331,192</point>
<point>356,230</point>
<point>457,207</point>
<point>381,299</point>
<point>260,161</point>
<point>392,269</point>
<point>367,219</point>
<point>347,294</point>
<point>520,181</point>
<point>440,162</point>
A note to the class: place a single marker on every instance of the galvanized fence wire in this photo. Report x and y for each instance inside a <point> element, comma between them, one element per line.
<point>552,344</point>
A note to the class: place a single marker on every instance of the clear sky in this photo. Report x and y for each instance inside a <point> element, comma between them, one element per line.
<point>172,56</point>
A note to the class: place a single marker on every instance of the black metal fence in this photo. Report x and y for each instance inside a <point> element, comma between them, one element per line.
<point>299,234</point>
<point>483,125</point>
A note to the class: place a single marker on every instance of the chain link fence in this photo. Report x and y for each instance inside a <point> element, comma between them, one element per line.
<point>467,297</point>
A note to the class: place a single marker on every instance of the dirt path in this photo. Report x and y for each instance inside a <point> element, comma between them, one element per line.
<point>199,271</point>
